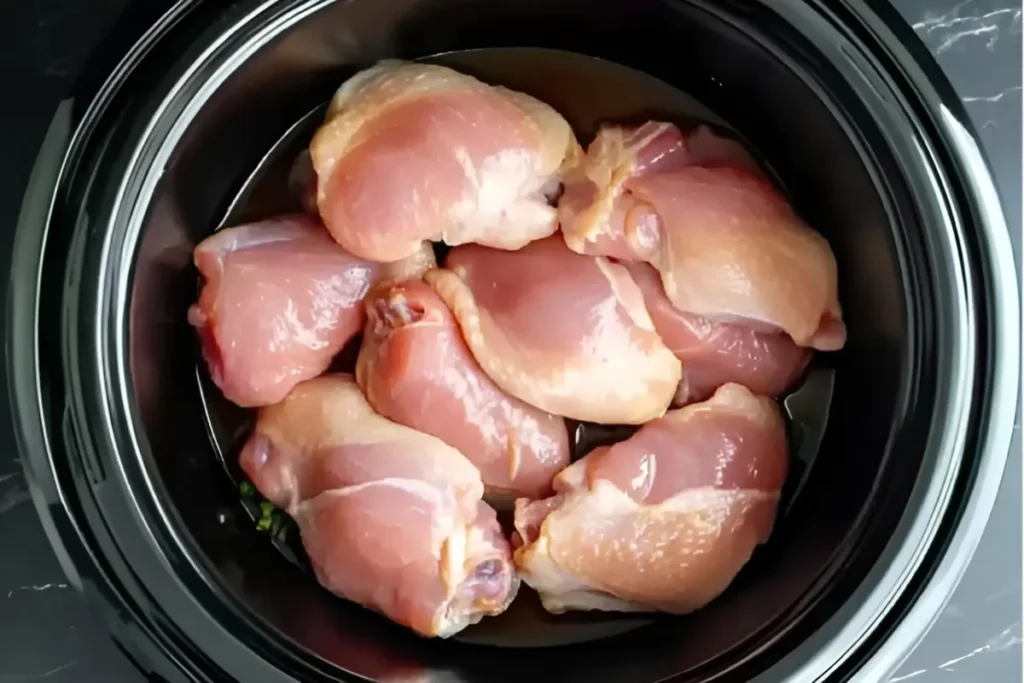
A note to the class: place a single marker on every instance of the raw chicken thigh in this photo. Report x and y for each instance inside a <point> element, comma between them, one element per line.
<point>566,333</point>
<point>599,216</point>
<point>411,267</point>
<point>416,369</point>
<point>391,518</point>
<point>714,353</point>
<point>417,151</point>
<point>280,299</point>
<point>728,246</point>
<point>664,520</point>
<point>681,296</point>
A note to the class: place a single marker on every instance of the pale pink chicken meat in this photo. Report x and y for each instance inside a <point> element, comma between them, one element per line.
<point>597,213</point>
<point>279,301</point>
<point>664,520</point>
<point>566,333</point>
<point>714,353</point>
<point>411,267</point>
<point>391,518</point>
<point>410,152</point>
<point>416,369</point>
<point>727,244</point>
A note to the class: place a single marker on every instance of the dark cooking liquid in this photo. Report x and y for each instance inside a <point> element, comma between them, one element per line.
<point>587,92</point>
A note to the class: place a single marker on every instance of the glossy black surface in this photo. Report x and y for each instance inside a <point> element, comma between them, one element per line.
<point>57,589</point>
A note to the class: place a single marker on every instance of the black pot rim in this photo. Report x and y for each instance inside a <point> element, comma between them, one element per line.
<point>80,501</point>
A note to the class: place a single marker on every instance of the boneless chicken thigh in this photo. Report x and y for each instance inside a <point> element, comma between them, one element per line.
<point>566,333</point>
<point>597,213</point>
<point>391,518</point>
<point>279,301</point>
<point>663,520</point>
<point>714,353</point>
<point>409,268</point>
<point>411,151</point>
<point>727,244</point>
<point>416,369</point>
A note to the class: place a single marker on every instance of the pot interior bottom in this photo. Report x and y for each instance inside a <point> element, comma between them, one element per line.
<point>587,91</point>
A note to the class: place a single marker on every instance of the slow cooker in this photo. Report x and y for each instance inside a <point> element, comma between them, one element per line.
<point>162,136</point>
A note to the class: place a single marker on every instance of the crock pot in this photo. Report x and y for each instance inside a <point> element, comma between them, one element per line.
<point>840,98</point>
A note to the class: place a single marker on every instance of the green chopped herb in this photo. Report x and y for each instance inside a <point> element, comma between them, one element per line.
<point>271,520</point>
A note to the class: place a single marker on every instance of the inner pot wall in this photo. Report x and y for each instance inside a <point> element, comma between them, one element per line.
<point>803,139</point>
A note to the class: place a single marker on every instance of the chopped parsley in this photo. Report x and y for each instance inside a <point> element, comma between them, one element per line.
<point>272,520</point>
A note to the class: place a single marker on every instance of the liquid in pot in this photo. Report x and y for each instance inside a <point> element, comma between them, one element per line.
<point>587,92</point>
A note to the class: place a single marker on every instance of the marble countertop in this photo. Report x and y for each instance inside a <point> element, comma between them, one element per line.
<point>47,633</point>
<point>978,635</point>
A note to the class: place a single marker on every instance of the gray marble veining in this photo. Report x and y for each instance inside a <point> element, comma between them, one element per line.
<point>978,636</point>
<point>966,21</point>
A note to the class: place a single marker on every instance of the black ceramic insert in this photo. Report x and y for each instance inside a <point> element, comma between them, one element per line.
<point>602,91</point>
